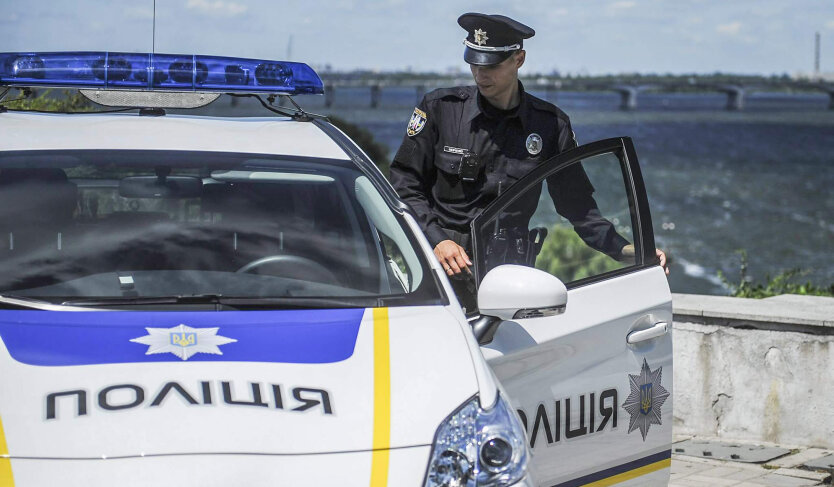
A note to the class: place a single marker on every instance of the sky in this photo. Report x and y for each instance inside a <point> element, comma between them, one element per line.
<point>572,36</point>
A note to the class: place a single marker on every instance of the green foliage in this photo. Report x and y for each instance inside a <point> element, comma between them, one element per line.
<point>567,257</point>
<point>365,139</point>
<point>783,283</point>
<point>50,101</point>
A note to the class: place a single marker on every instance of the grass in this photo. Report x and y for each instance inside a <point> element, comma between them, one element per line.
<point>786,282</point>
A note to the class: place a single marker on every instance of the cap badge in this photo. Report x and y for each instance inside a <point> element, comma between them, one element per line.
<point>417,122</point>
<point>534,144</point>
<point>480,37</point>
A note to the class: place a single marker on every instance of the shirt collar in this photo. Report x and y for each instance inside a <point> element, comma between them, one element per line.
<point>473,106</point>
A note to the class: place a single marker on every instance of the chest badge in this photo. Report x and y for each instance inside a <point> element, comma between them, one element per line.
<point>417,122</point>
<point>534,144</point>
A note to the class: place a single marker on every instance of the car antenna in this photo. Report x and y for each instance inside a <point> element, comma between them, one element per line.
<point>153,34</point>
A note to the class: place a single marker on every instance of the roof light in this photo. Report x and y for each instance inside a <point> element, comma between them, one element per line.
<point>157,72</point>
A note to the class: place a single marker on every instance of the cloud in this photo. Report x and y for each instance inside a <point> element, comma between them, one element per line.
<point>830,24</point>
<point>217,7</point>
<point>732,28</point>
<point>138,13</point>
<point>622,5</point>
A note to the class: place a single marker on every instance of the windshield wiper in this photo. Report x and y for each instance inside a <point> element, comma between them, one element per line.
<point>146,300</point>
<point>294,302</point>
<point>299,302</point>
<point>31,303</point>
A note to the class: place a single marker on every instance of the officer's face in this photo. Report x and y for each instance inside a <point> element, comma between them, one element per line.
<point>497,79</point>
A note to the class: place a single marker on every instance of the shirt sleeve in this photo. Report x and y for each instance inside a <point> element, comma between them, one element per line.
<point>572,195</point>
<point>567,137</point>
<point>413,172</point>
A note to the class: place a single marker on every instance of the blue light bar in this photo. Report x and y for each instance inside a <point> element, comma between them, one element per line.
<point>173,72</point>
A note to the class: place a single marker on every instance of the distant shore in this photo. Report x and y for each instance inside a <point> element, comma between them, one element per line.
<point>688,83</point>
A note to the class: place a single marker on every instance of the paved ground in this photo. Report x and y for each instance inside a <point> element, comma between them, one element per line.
<point>701,472</point>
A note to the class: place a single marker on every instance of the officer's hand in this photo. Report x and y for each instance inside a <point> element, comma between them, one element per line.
<point>627,255</point>
<point>663,263</point>
<point>452,257</point>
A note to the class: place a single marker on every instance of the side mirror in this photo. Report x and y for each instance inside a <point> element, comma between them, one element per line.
<point>512,292</point>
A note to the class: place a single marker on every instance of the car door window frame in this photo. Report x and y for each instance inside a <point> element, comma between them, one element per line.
<point>623,149</point>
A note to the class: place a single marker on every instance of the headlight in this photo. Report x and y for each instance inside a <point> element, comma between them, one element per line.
<point>477,447</point>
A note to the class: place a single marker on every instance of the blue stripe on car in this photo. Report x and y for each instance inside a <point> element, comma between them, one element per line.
<point>54,338</point>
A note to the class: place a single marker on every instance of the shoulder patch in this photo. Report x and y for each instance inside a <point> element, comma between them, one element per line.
<point>417,122</point>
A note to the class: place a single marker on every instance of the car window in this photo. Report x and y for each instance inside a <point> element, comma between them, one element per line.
<point>146,223</point>
<point>401,261</point>
<point>576,224</point>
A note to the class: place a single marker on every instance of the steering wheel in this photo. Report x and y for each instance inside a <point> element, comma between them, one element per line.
<point>294,266</point>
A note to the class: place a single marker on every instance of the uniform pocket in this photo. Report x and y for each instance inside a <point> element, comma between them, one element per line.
<point>449,186</point>
<point>449,163</point>
<point>517,169</point>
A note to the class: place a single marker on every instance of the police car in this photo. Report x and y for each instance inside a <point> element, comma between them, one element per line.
<point>207,301</point>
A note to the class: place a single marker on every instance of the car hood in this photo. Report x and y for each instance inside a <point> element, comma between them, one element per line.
<point>129,384</point>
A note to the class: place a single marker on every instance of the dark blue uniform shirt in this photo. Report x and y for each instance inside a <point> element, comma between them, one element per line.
<point>429,173</point>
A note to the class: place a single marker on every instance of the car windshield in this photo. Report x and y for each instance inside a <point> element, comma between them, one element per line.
<point>81,226</point>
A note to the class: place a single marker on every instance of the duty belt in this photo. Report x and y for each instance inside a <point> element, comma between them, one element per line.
<point>460,238</point>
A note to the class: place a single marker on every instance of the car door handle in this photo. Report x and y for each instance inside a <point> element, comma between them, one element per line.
<point>659,329</point>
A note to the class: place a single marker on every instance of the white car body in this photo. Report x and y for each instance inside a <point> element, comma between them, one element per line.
<point>73,412</point>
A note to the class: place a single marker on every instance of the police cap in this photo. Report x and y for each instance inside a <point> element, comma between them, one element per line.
<point>491,39</point>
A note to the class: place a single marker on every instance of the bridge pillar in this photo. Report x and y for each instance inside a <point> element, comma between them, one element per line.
<point>735,98</point>
<point>831,100</point>
<point>376,93</point>
<point>628,98</point>
<point>329,94</point>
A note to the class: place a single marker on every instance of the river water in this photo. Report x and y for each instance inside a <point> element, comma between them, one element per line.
<point>760,179</point>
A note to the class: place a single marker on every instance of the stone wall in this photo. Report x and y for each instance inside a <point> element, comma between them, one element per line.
<point>755,370</point>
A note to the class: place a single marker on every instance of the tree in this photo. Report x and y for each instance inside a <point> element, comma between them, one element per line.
<point>365,140</point>
<point>50,101</point>
<point>567,257</point>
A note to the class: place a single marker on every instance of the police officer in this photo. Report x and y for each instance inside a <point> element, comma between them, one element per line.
<point>463,145</point>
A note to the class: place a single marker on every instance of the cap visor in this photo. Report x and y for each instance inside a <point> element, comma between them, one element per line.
<point>483,58</point>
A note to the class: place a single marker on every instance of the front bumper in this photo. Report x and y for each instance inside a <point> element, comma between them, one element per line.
<point>407,467</point>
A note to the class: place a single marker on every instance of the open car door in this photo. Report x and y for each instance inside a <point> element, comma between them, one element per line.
<point>592,382</point>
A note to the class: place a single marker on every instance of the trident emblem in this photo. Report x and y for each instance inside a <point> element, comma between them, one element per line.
<point>646,398</point>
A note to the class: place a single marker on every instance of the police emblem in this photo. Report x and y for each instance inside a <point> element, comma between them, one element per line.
<point>183,341</point>
<point>534,144</point>
<point>646,397</point>
<point>480,37</point>
<point>417,122</point>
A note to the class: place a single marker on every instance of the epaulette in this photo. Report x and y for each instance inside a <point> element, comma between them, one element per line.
<point>456,92</point>
<point>546,106</point>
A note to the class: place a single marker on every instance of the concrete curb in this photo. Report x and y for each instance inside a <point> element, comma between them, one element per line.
<point>788,312</point>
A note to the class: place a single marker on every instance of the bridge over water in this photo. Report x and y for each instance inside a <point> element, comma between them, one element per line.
<point>629,90</point>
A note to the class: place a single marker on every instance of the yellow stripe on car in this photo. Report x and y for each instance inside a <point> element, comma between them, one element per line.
<point>6,478</point>
<point>632,474</point>
<point>382,399</point>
